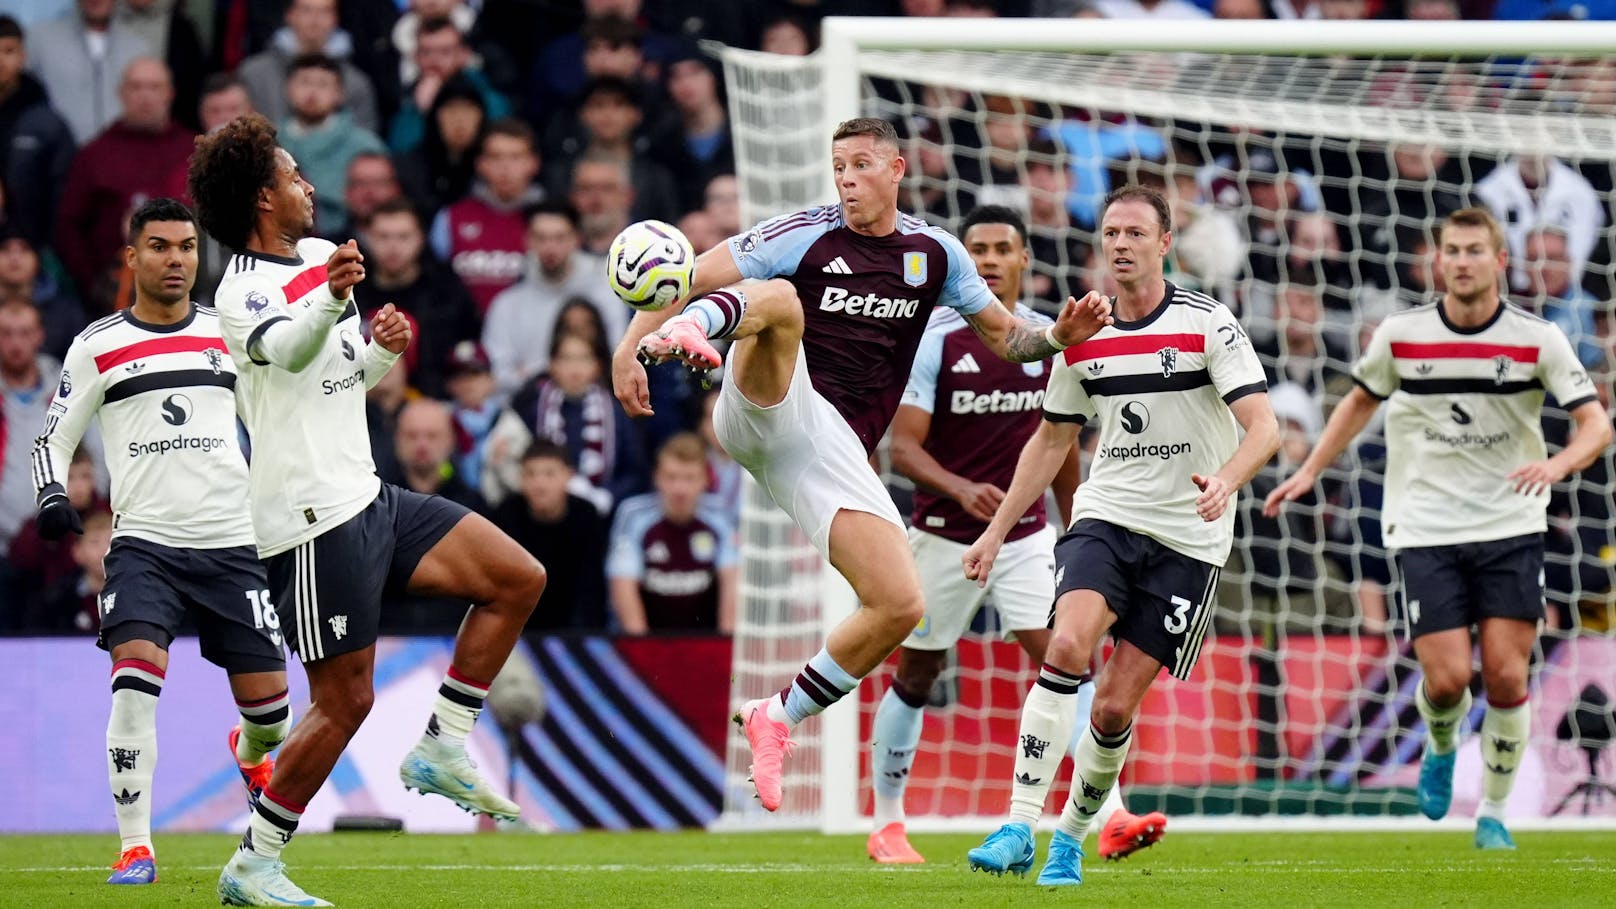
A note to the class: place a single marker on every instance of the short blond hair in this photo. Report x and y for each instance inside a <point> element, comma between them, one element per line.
<point>1474,217</point>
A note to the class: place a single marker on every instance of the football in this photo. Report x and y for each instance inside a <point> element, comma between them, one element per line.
<point>650,264</point>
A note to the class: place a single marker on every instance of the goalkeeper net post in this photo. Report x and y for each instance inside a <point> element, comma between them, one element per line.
<point>1301,704</point>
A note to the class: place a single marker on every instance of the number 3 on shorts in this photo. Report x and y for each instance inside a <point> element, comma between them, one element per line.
<point>264,615</point>
<point>1175,623</point>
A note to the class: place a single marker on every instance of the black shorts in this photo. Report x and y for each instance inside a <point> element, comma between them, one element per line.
<point>331,587</point>
<point>150,587</point>
<point>1163,599</point>
<point>1447,587</point>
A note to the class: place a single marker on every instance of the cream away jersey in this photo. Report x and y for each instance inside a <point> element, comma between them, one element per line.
<point>1464,409</point>
<point>311,464</point>
<point>165,398</point>
<point>1161,387</point>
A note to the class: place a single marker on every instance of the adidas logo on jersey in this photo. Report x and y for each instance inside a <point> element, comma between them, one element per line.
<point>837,266</point>
<point>966,363</point>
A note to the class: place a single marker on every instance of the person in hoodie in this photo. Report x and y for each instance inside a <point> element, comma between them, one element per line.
<point>38,146</point>
<point>322,137</point>
<point>483,237</point>
<point>440,171</point>
<point>128,163</point>
<point>311,28</point>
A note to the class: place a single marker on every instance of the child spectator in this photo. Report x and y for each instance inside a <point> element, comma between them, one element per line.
<point>672,565</point>
<point>565,533</point>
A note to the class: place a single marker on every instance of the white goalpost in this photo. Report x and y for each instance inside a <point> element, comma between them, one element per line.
<point>1301,156</point>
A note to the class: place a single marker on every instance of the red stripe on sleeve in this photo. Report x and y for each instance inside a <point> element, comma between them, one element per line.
<point>1122,345</point>
<point>307,280</point>
<point>142,349</point>
<point>1461,350</point>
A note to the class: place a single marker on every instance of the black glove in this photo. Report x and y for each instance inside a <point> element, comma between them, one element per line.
<point>56,514</point>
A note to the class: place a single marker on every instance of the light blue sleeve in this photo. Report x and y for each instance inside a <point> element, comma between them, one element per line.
<point>921,391</point>
<point>625,556</point>
<point>775,247</point>
<point>438,236</point>
<point>963,289</point>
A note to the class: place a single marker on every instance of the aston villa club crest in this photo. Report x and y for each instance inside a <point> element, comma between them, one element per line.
<point>914,268</point>
<point>1169,360</point>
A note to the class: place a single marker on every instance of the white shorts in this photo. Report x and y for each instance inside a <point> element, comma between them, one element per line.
<point>803,454</point>
<point>1022,584</point>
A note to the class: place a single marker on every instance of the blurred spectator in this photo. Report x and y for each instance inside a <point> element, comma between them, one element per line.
<point>1421,188</point>
<point>124,166</point>
<point>703,148</point>
<point>565,533</point>
<point>672,564</point>
<point>603,194</point>
<point>425,444</point>
<point>610,43</point>
<point>573,407</point>
<point>41,564</point>
<point>608,126</point>
<point>701,229</point>
<point>1558,298</point>
<point>1432,10</point>
<point>1301,349</point>
<point>521,320</point>
<point>1091,142</point>
<point>1526,191</point>
<point>722,200</point>
<point>1314,245</point>
<point>80,57</point>
<point>787,35</point>
<point>27,379</point>
<point>38,146</point>
<point>22,278</point>
<point>311,28</point>
<point>172,37</point>
<point>1240,9</point>
<point>475,408</point>
<point>403,273</point>
<point>1532,10</point>
<point>483,236</point>
<point>224,98</point>
<point>406,32</point>
<point>371,181</point>
<point>1057,249</point>
<point>1150,9</point>
<point>322,137</point>
<point>441,170</point>
<point>73,603</point>
<point>971,9</point>
<point>442,55</point>
<point>1208,251</point>
<point>382,405</point>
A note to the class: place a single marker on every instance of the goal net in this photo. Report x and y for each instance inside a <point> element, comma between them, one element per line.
<point>1308,166</point>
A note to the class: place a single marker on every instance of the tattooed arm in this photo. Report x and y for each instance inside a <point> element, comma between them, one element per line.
<point>1020,341</point>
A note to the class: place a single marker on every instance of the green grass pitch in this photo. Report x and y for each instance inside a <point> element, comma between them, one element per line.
<point>709,871</point>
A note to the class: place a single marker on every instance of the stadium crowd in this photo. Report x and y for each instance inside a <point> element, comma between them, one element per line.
<point>485,154</point>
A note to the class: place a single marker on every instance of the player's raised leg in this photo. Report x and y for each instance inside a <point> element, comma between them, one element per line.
<point>266,719</point>
<point>894,737</point>
<point>1122,833</point>
<point>1506,648</point>
<point>139,668</point>
<point>474,561</point>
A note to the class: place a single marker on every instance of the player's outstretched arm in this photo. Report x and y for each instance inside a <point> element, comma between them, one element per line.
<point>910,458</point>
<point>1020,341</point>
<point>1349,419</point>
<point>1256,415</point>
<point>715,268</point>
<point>1588,440</point>
<point>1041,458</point>
<point>78,397</point>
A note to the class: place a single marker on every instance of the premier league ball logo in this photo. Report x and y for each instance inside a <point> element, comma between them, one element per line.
<point>257,304</point>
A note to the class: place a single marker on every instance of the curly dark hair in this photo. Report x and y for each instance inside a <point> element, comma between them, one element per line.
<point>228,169</point>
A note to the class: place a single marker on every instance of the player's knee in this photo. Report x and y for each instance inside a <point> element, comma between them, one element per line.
<point>1110,715</point>
<point>525,584</point>
<point>1505,684</point>
<point>906,613</point>
<point>918,671</point>
<point>1065,652</point>
<point>1445,684</point>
